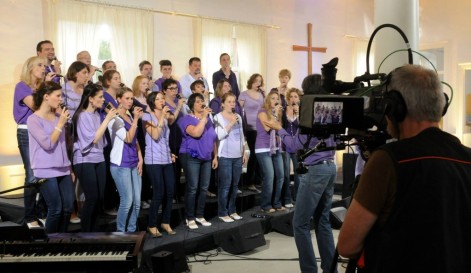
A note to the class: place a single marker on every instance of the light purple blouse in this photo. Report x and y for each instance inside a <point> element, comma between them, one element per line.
<point>71,99</point>
<point>251,108</point>
<point>263,137</point>
<point>157,151</point>
<point>21,111</point>
<point>85,151</point>
<point>201,147</point>
<point>48,160</point>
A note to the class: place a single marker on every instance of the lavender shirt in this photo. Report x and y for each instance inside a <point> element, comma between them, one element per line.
<point>21,111</point>
<point>263,137</point>
<point>47,159</point>
<point>231,144</point>
<point>158,85</point>
<point>122,154</point>
<point>157,151</point>
<point>201,147</point>
<point>71,98</point>
<point>85,151</point>
<point>251,108</point>
<point>319,156</point>
<point>216,106</point>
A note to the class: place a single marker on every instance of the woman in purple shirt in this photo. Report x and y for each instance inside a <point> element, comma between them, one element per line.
<point>49,158</point>
<point>222,87</point>
<point>268,152</point>
<point>77,76</point>
<point>197,149</point>
<point>251,100</point>
<point>158,161</point>
<point>126,161</point>
<point>88,158</point>
<point>32,76</point>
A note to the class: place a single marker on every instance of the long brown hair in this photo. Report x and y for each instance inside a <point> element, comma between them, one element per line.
<point>267,105</point>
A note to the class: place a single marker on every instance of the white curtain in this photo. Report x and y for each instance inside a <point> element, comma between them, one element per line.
<point>75,26</point>
<point>217,38</point>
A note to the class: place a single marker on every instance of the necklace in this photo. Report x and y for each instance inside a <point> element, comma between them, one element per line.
<point>195,117</point>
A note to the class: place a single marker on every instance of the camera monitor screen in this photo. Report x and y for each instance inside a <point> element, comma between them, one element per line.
<point>322,115</point>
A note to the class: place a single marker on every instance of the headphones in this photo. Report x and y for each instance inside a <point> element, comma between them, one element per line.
<point>394,105</point>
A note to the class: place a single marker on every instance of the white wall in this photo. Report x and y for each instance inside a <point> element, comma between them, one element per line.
<point>21,27</point>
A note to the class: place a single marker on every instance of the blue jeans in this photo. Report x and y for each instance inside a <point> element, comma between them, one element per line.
<point>128,183</point>
<point>271,168</point>
<point>286,192</point>
<point>197,176</point>
<point>162,180</point>
<point>31,210</point>
<point>92,177</point>
<point>229,170</point>
<point>314,199</point>
<point>59,194</point>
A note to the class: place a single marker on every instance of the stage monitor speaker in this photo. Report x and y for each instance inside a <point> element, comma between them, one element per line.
<point>337,215</point>
<point>242,238</point>
<point>172,259</point>
<point>283,223</point>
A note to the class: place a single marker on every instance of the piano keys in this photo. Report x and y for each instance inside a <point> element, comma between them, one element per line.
<point>74,252</point>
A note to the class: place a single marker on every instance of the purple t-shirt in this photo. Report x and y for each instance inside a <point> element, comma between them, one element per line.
<point>71,99</point>
<point>251,108</point>
<point>47,159</point>
<point>157,151</point>
<point>85,151</point>
<point>158,85</point>
<point>201,147</point>
<point>21,111</point>
<point>263,137</point>
<point>122,154</point>
<point>319,156</point>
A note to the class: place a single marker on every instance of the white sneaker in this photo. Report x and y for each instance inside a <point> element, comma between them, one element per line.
<point>226,219</point>
<point>203,222</point>
<point>289,206</point>
<point>33,224</point>
<point>145,205</point>
<point>43,221</point>
<point>75,220</point>
<point>191,224</point>
<point>236,216</point>
<point>239,192</point>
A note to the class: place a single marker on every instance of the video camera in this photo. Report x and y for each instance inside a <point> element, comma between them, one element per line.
<point>350,111</point>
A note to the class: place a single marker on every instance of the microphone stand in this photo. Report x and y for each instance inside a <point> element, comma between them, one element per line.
<point>29,185</point>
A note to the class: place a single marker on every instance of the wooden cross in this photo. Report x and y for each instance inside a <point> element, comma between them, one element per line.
<point>309,49</point>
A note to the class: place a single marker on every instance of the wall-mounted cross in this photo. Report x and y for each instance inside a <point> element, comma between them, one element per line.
<point>309,48</point>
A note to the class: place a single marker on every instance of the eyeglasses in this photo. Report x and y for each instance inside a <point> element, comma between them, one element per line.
<point>172,88</point>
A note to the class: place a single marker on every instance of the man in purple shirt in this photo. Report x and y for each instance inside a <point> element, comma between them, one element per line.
<point>226,73</point>
<point>46,49</point>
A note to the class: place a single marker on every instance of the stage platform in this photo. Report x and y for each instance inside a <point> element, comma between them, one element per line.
<point>242,235</point>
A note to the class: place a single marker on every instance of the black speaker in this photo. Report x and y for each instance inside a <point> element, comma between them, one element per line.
<point>283,223</point>
<point>170,260</point>
<point>242,238</point>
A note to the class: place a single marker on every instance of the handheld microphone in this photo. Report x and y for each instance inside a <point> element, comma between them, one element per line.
<point>178,96</point>
<point>233,112</point>
<point>121,85</point>
<point>147,90</point>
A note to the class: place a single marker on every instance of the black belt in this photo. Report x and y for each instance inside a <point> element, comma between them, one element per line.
<point>322,162</point>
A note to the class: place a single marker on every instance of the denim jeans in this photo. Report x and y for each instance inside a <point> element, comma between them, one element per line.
<point>162,179</point>
<point>129,185</point>
<point>314,199</point>
<point>229,170</point>
<point>286,192</point>
<point>59,194</point>
<point>92,177</point>
<point>271,168</point>
<point>31,210</point>
<point>197,175</point>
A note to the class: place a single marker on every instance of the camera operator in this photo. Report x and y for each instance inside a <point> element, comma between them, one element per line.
<point>314,199</point>
<point>410,212</point>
